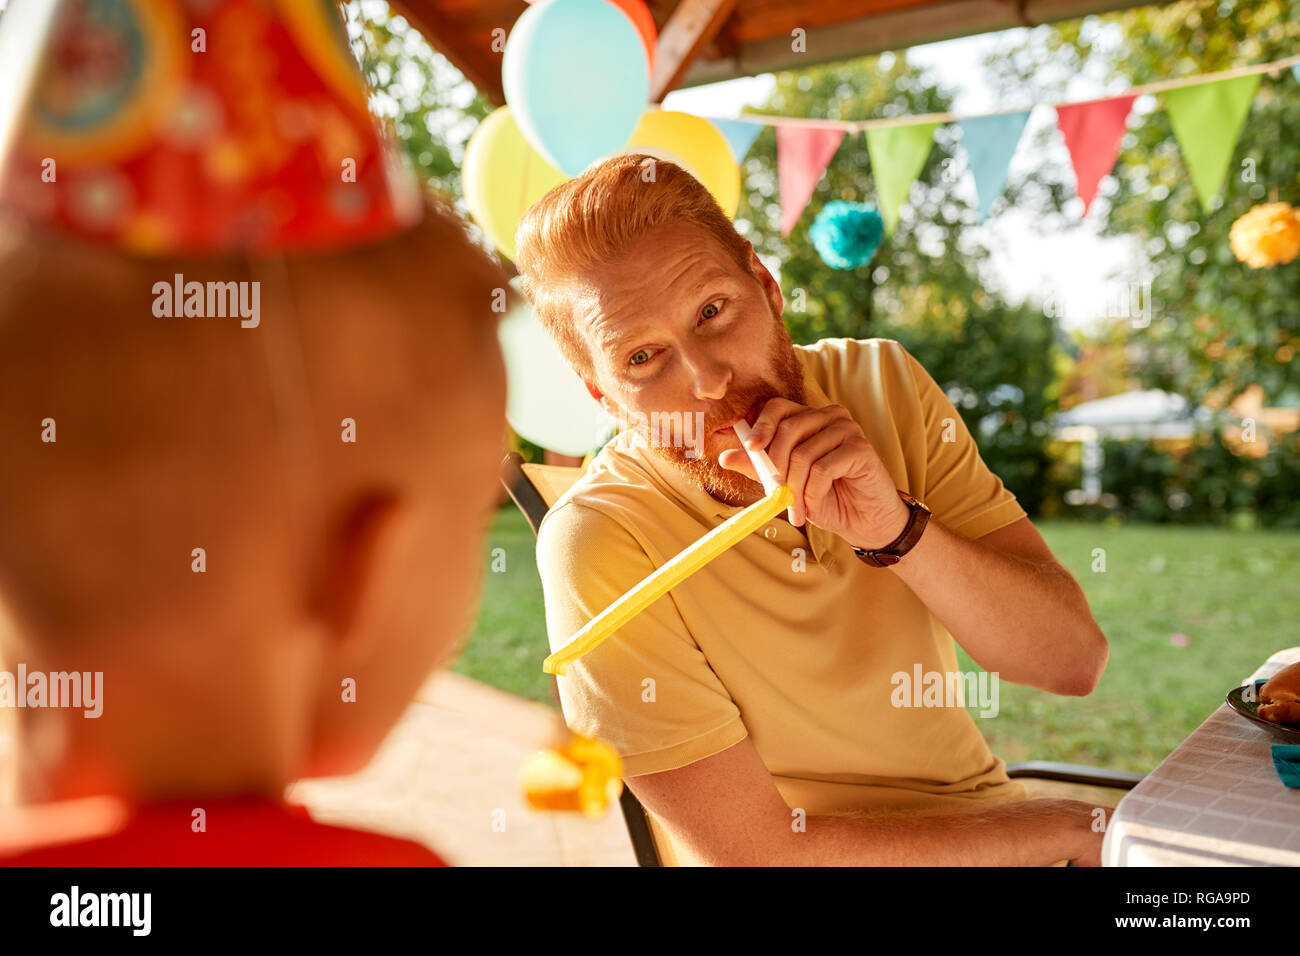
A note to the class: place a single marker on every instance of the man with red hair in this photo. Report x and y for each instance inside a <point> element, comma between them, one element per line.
<point>794,701</point>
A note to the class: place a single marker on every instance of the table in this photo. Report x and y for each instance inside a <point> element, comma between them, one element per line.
<point>1215,801</point>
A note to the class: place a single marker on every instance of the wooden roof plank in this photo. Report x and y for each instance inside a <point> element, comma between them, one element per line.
<point>757,20</point>
<point>893,30</point>
<point>692,26</point>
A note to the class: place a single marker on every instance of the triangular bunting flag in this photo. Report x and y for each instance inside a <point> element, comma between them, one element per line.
<point>802,154</point>
<point>1093,131</point>
<point>1207,119</point>
<point>740,134</point>
<point>897,155</point>
<point>990,143</point>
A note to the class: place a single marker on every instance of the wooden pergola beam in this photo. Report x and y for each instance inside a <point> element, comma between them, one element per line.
<point>476,60</point>
<point>762,35</point>
<point>693,24</point>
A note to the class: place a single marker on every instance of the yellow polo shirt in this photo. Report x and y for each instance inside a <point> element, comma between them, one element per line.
<point>790,640</point>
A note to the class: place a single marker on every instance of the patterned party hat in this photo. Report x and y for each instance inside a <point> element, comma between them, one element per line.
<point>195,127</point>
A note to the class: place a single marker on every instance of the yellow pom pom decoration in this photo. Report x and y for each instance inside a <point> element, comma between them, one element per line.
<point>1268,235</point>
<point>585,775</point>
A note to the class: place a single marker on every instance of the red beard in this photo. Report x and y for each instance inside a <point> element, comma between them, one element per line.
<point>723,484</point>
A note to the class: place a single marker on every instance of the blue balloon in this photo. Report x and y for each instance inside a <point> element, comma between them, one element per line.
<point>576,79</point>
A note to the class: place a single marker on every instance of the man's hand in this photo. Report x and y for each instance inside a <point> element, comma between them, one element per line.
<point>838,480</point>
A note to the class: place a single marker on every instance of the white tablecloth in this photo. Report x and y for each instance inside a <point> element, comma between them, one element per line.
<point>1215,801</point>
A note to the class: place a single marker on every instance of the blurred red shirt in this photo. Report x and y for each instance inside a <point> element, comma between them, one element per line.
<point>246,831</point>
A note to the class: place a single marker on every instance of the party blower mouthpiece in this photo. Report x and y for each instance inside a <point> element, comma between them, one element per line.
<point>768,476</point>
<point>726,535</point>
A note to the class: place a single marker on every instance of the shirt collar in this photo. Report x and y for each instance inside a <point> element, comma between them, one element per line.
<point>692,495</point>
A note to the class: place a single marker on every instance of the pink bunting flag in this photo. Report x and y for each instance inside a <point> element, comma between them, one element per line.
<point>1093,131</point>
<point>802,155</point>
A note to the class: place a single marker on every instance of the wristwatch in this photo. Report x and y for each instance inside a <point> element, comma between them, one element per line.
<point>894,551</point>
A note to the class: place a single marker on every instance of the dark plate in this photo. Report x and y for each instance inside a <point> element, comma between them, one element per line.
<point>1249,709</point>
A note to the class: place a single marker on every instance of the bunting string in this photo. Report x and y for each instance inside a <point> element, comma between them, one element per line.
<point>1207,112</point>
<point>851,126</point>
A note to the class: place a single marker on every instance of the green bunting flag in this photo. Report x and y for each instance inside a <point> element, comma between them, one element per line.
<point>1207,119</point>
<point>897,155</point>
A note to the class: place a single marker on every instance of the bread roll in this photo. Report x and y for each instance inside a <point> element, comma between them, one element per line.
<point>1279,699</point>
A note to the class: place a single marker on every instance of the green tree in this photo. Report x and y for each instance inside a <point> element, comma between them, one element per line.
<point>1217,325</point>
<point>433,108</point>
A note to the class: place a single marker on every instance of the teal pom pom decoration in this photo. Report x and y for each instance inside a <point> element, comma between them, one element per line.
<point>847,234</point>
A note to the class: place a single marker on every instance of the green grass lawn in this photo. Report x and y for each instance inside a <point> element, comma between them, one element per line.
<point>508,643</point>
<point>1236,595</point>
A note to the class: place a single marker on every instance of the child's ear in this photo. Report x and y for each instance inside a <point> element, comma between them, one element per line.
<point>349,592</point>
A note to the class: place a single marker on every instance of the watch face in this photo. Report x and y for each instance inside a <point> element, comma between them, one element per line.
<point>910,500</point>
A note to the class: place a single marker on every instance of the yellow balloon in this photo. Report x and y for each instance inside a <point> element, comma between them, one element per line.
<point>694,143</point>
<point>502,177</point>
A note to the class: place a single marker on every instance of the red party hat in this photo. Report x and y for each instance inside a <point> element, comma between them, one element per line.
<point>198,127</point>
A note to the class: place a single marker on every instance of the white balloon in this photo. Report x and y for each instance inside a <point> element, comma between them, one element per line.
<point>546,401</point>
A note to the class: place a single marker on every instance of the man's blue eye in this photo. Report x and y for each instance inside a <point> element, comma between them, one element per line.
<point>710,310</point>
<point>640,352</point>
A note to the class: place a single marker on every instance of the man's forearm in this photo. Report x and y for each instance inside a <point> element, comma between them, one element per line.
<point>1029,622</point>
<point>1025,833</point>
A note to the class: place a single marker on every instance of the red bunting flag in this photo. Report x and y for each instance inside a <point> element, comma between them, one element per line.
<point>1093,131</point>
<point>802,155</point>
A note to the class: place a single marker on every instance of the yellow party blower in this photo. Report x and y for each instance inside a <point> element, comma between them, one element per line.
<point>731,532</point>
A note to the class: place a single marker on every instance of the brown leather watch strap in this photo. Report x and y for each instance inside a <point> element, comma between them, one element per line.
<point>893,552</point>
